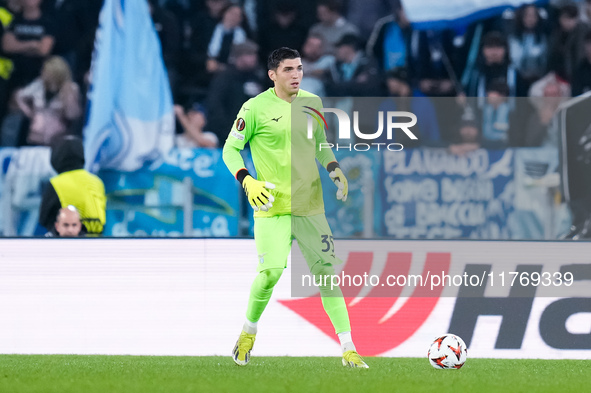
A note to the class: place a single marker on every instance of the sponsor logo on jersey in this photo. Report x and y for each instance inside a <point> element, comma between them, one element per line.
<point>237,135</point>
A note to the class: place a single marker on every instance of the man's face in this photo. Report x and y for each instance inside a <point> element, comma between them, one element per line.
<point>494,54</point>
<point>397,87</point>
<point>288,76</point>
<point>197,118</point>
<point>324,14</point>
<point>247,61</point>
<point>215,6</point>
<point>469,134</point>
<point>552,90</point>
<point>285,19</point>
<point>345,53</point>
<point>494,98</point>
<point>68,224</point>
<point>567,23</point>
<point>530,18</point>
<point>232,17</point>
<point>313,48</point>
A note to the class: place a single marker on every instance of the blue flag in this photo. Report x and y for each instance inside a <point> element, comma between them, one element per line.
<point>130,118</point>
<point>438,14</point>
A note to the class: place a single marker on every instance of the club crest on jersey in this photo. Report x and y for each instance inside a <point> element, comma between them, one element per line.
<point>240,124</point>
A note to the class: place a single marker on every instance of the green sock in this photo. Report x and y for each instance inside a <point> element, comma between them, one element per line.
<point>260,293</point>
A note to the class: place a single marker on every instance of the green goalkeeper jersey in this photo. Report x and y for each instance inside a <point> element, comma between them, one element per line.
<point>282,151</point>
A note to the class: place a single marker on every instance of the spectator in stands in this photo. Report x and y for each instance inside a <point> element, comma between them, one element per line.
<point>203,24</point>
<point>497,116</point>
<point>13,7</point>
<point>193,123</point>
<point>51,102</point>
<point>87,15</point>
<point>411,100</point>
<point>332,26</point>
<point>28,40</point>
<point>316,64</point>
<point>546,95</point>
<point>70,21</point>
<point>250,20</point>
<point>264,9</point>
<point>493,64</point>
<point>566,42</point>
<point>389,42</point>
<point>528,44</point>
<point>7,12</point>
<point>538,88</point>
<point>468,40</point>
<point>67,223</point>
<point>582,75</point>
<point>73,186</point>
<point>283,30</point>
<point>538,123</point>
<point>242,80</point>
<point>200,30</point>
<point>227,32</point>
<point>167,28</point>
<point>585,11</point>
<point>467,139</point>
<point>353,74</point>
<point>365,13</point>
<point>432,65</point>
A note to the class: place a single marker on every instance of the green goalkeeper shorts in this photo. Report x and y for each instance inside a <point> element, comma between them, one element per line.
<point>274,235</point>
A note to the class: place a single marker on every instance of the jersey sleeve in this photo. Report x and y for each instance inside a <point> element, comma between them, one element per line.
<point>241,132</point>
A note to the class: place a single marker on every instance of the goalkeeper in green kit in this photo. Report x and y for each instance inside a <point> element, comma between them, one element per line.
<point>287,196</point>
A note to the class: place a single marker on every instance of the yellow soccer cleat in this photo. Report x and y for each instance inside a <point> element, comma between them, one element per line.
<point>241,352</point>
<point>352,359</point>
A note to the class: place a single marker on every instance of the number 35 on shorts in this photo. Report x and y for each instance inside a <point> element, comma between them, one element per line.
<point>328,243</point>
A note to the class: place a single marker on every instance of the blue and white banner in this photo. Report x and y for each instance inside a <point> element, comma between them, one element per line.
<point>130,117</point>
<point>23,174</point>
<point>155,200</point>
<point>439,14</point>
<point>358,215</point>
<point>432,194</point>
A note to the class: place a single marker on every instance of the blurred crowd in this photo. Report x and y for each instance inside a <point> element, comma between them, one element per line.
<point>215,53</point>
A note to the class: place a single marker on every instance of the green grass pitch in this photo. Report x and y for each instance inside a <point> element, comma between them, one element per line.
<point>147,374</point>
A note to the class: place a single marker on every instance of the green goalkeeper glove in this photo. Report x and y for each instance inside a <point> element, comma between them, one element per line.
<point>257,193</point>
<point>339,179</point>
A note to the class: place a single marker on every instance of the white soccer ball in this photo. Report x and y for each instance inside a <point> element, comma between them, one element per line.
<point>447,351</point>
